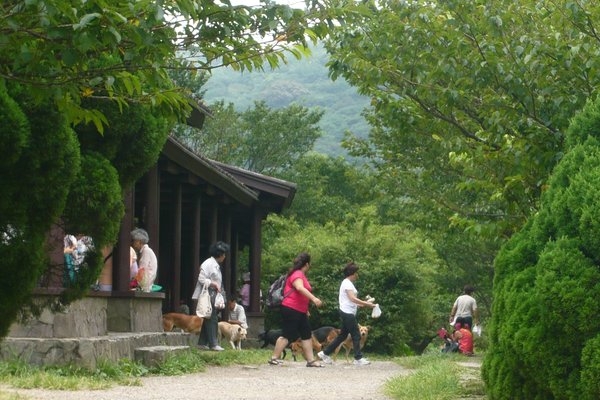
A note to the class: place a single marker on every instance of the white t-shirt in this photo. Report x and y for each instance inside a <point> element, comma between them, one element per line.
<point>465,306</point>
<point>238,314</point>
<point>210,270</point>
<point>346,305</point>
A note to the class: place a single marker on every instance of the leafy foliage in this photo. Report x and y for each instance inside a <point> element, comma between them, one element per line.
<point>396,268</point>
<point>547,282</point>
<point>329,189</point>
<point>54,46</point>
<point>87,103</point>
<point>35,190</point>
<point>470,99</point>
<point>259,139</point>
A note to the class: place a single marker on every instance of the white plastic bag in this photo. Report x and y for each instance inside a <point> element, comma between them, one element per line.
<point>376,313</point>
<point>477,330</point>
<point>219,301</point>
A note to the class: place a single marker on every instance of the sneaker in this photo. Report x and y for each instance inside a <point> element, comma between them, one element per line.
<point>217,348</point>
<point>361,361</point>
<point>203,347</point>
<point>326,359</point>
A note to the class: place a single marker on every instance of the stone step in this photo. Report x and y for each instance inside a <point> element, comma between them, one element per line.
<point>153,356</point>
<point>86,352</point>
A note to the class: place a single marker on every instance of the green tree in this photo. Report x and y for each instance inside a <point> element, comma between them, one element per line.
<point>259,139</point>
<point>123,50</point>
<point>220,137</point>
<point>328,189</point>
<point>544,332</point>
<point>470,102</point>
<point>87,103</point>
<point>487,87</point>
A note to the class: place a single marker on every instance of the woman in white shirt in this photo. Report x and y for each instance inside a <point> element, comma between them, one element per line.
<point>210,273</point>
<point>349,303</point>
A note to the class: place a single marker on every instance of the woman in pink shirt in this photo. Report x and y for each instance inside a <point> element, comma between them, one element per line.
<point>297,294</point>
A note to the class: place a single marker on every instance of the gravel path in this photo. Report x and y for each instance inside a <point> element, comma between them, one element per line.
<point>291,381</point>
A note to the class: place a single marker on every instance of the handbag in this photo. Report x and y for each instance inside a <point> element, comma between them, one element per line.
<point>219,301</point>
<point>204,308</point>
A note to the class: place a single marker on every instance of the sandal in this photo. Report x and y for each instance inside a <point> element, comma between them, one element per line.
<point>274,361</point>
<point>314,364</point>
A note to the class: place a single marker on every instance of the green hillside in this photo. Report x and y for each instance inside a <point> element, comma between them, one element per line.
<point>304,82</point>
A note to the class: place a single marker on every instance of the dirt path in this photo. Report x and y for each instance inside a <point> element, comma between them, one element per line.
<point>291,381</point>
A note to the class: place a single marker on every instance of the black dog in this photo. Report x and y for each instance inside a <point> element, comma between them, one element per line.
<point>323,333</point>
<point>270,337</point>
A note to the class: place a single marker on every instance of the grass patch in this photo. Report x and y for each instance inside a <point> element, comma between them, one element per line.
<point>11,396</point>
<point>19,374</point>
<point>436,377</point>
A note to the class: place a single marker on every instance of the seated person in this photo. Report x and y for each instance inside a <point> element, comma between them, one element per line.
<point>464,337</point>
<point>237,315</point>
<point>450,345</point>
<point>147,262</point>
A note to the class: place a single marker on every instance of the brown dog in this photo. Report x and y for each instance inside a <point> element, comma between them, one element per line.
<point>347,344</point>
<point>233,333</point>
<point>297,346</point>
<point>325,334</point>
<point>187,323</point>
<point>331,336</point>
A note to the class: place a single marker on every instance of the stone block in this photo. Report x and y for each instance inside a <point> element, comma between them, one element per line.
<point>83,318</point>
<point>156,355</point>
<point>134,314</point>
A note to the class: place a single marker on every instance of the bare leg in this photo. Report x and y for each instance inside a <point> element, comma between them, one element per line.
<point>307,350</point>
<point>280,345</point>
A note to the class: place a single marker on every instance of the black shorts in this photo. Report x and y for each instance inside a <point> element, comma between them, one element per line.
<point>295,324</point>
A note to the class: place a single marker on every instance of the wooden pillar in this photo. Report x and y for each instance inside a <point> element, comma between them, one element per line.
<point>235,260</point>
<point>226,267</point>
<point>214,222</point>
<point>255,259</point>
<point>120,271</point>
<point>197,237</point>
<point>153,209</point>
<point>176,262</point>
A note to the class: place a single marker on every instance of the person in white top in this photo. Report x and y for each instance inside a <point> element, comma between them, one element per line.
<point>349,303</point>
<point>133,265</point>
<point>210,274</point>
<point>147,262</point>
<point>464,310</point>
<point>237,315</point>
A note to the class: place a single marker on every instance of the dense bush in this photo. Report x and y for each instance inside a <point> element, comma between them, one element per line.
<point>36,175</point>
<point>397,267</point>
<point>545,329</point>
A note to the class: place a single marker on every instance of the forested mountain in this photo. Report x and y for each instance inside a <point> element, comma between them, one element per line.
<point>304,82</point>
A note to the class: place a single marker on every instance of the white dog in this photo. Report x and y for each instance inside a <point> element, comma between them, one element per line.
<point>233,333</point>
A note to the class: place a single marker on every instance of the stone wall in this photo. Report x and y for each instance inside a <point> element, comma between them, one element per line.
<point>83,318</point>
<point>96,315</point>
<point>102,326</point>
<point>87,352</point>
